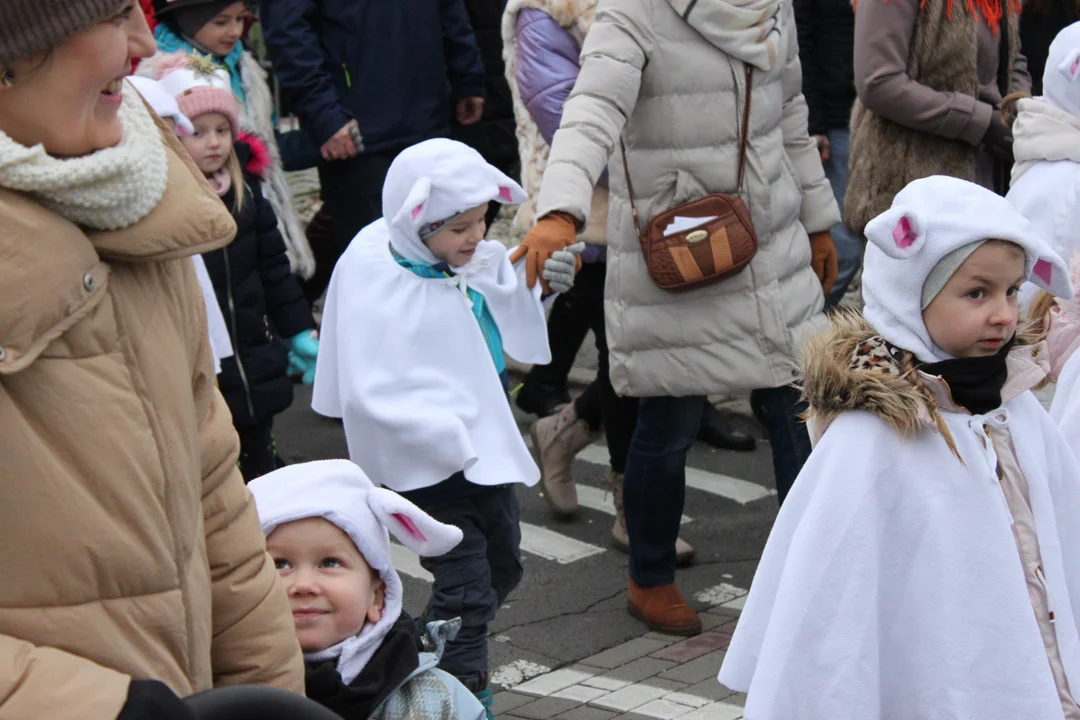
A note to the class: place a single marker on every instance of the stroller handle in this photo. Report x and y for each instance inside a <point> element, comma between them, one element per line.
<point>256,702</point>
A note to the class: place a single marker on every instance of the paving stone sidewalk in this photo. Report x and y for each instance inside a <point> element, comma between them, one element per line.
<point>652,677</point>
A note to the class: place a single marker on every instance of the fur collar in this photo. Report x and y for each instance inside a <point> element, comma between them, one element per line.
<point>849,367</point>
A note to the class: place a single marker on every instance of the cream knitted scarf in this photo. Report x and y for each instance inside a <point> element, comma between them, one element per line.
<point>750,30</point>
<point>110,189</point>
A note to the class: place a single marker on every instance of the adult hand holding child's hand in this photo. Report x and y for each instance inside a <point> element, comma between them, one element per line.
<point>345,143</point>
<point>555,231</point>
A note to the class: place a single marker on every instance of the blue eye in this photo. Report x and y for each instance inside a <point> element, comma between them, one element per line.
<point>331,563</point>
<point>281,564</point>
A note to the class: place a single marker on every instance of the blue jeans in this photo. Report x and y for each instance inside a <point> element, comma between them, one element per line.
<point>849,248</point>
<point>654,486</point>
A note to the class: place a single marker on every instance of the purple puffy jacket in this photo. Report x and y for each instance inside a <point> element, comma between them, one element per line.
<point>547,68</point>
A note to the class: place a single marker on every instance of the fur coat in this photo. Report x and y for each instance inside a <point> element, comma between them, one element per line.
<point>886,156</point>
<point>576,17</point>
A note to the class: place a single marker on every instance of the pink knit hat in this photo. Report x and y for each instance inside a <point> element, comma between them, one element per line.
<point>199,85</point>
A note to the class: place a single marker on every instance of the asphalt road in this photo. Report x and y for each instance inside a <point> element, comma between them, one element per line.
<point>567,610</point>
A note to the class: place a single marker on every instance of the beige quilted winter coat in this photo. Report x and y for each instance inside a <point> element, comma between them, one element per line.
<point>129,546</point>
<point>676,99</point>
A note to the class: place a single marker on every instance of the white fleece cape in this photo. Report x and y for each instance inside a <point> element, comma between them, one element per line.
<point>402,359</point>
<point>891,587</point>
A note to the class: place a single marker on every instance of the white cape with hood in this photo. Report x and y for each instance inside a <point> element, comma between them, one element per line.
<point>402,358</point>
<point>891,587</point>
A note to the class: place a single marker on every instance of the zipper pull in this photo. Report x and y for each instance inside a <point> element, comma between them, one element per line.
<point>348,78</point>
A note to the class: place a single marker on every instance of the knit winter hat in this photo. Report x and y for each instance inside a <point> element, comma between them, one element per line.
<point>162,101</point>
<point>199,85</point>
<point>340,492</point>
<point>1061,77</point>
<point>435,180</point>
<point>945,269</point>
<point>189,16</point>
<point>28,27</point>
<point>930,219</point>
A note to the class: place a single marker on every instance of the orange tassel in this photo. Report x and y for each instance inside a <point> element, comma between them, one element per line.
<point>990,10</point>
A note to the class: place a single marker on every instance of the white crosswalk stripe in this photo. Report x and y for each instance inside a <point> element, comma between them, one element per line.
<point>551,545</point>
<point>740,491</point>
<point>602,500</point>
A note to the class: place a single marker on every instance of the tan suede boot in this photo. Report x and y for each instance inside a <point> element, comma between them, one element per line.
<point>557,440</point>
<point>662,609</point>
<point>620,539</point>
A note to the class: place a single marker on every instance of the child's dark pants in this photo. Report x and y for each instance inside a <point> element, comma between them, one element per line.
<point>473,579</point>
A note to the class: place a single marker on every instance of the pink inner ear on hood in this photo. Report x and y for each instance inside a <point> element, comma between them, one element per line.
<point>1044,271</point>
<point>417,210</point>
<point>505,195</point>
<point>409,526</point>
<point>902,234</point>
<point>1075,66</point>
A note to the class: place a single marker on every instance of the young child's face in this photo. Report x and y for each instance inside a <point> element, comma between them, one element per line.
<point>332,590</point>
<point>976,312</point>
<point>221,34</point>
<point>456,243</point>
<point>211,143</point>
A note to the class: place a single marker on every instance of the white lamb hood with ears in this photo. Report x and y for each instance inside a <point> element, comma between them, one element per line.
<point>929,219</point>
<point>434,180</point>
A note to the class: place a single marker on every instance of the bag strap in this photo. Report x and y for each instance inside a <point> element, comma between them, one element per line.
<point>743,140</point>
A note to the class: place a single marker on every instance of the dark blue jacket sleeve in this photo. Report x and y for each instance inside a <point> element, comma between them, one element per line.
<point>463,63</point>
<point>806,18</point>
<point>298,63</point>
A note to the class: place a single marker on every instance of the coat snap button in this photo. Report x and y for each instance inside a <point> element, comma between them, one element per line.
<point>88,282</point>
<point>1035,352</point>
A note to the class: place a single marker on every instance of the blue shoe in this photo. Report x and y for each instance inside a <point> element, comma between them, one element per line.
<point>487,699</point>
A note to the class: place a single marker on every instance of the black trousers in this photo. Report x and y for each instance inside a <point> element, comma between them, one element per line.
<point>258,452</point>
<point>473,579</point>
<point>352,191</point>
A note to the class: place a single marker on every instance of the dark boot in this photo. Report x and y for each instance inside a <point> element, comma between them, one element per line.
<point>541,399</point>
<point>719,432</point>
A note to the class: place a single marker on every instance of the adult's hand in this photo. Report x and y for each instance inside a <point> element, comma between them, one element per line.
<point>342,145</point>
<point>153,700</point>
<point>470,110</point>
<point>823,259</point>
<point>998,138</point>
<point>554,232</point>
<point>822,143</point>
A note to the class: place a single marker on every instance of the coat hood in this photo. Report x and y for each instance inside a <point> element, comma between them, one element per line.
<point>432,181</point>
<point>851,367</point>
<point>1061,77</point>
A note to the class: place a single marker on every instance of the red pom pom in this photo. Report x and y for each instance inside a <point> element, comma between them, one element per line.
<point>260,160</point>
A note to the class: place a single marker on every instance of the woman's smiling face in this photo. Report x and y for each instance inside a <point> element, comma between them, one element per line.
<point>69,98</point>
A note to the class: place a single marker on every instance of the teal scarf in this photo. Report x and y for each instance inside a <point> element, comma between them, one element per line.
<point>170,42</point>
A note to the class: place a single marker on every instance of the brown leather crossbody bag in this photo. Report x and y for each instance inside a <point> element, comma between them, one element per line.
<point>704,253</point>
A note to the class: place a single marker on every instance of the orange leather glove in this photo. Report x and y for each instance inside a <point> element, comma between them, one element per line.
<point>555,231</point>
<point>823,259</point>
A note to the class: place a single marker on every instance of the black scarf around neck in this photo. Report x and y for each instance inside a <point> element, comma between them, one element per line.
<point>975,383</point>
<point>396,659</point>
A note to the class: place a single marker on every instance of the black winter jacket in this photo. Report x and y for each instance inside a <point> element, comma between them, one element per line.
<point>392,65</point>
<point>494,136</point>
<point>263,306</point>
<point>826,52</point>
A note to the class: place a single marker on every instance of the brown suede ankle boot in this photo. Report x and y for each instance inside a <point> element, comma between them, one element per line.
<point>662,609</point>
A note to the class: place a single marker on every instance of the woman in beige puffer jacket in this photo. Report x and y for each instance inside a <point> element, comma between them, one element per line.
<point>668,76</point>
<point>132,567</point>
